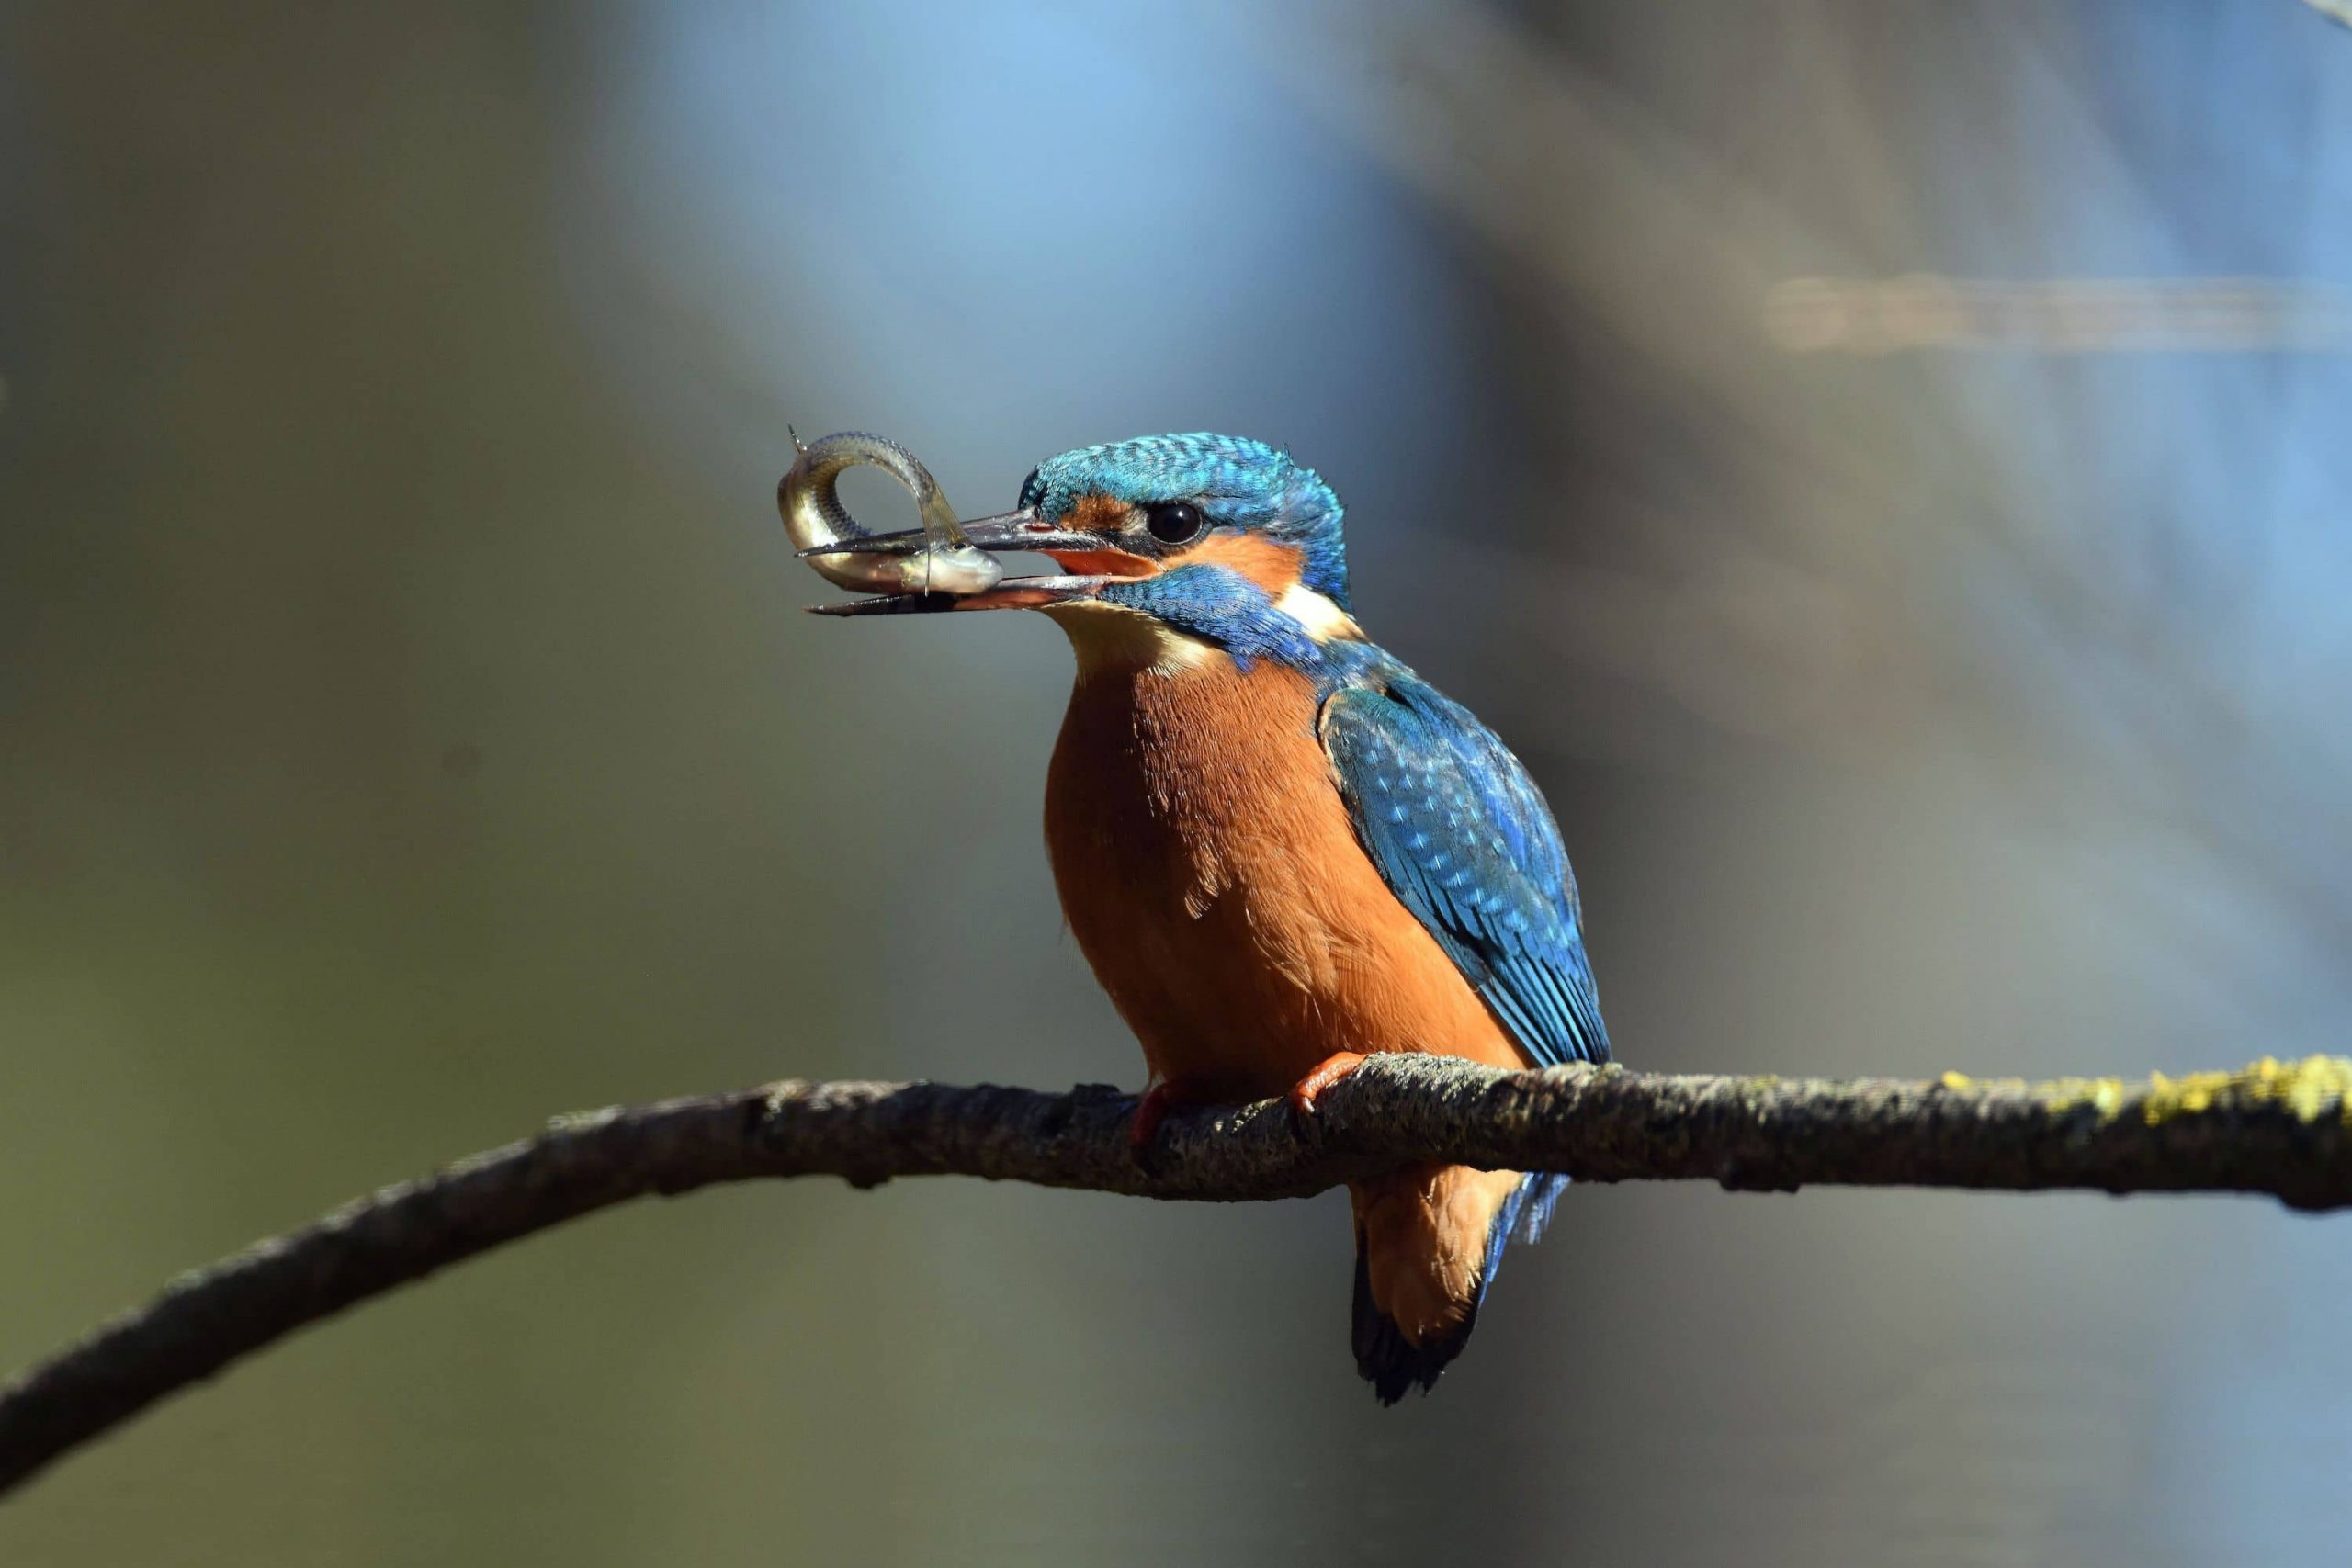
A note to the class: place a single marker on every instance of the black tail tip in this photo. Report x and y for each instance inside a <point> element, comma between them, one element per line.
<point>1390,1361</point>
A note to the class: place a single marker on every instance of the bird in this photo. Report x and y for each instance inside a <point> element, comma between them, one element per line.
<point>1280,849</point>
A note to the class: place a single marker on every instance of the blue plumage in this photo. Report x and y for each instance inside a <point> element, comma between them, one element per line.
<point>1238,616</point>
<point>1466,842</point>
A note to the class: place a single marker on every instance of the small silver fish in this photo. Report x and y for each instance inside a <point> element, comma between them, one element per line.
<point>813,515</point>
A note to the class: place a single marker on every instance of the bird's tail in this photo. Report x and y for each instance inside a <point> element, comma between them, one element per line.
<point>1428,1240</point>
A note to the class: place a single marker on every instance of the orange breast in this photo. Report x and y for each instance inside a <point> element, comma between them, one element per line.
<point>1213,879</point>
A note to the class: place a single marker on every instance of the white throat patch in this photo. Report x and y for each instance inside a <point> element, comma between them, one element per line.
<point>1323,619</point>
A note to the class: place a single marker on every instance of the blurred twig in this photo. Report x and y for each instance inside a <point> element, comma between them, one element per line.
<point>2285,1131</point>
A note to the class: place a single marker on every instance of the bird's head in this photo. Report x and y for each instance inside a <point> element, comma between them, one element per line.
<point>1217,539</point>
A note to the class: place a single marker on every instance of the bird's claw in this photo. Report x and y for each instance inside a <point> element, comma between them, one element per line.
<point>1151,1110</point>
<point>1322,1076</point>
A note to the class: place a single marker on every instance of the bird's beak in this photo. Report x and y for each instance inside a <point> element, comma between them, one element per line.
<point>1090,564</point>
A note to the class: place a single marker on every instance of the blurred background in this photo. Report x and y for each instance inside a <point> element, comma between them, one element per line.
<point>1882,464</point>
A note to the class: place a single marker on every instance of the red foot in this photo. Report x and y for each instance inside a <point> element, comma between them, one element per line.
<point>1151,1110</point>
<point>1322,1076</point>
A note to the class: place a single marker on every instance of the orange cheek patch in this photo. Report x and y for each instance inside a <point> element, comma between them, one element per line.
<point>1097,513</point>
<point>1270,566</point>
<point>1100,513</point>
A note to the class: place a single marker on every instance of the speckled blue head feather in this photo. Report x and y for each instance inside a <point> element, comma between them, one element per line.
<point>1237,483</point>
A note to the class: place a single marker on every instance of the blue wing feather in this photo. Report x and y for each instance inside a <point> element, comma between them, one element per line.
<point>1465,840</point>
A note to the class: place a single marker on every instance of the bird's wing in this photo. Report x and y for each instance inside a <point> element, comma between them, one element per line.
<point>1466,843</point>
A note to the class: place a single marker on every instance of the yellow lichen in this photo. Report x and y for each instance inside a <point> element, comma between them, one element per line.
<point>2314,1088</point>
<point>2311,1089</point>
<point>2105,1096</point>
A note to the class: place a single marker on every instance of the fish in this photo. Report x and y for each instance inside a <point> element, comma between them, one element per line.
<point>945,562</point>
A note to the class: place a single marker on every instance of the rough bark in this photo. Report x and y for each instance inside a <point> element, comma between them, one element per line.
<point>2282,1130</point>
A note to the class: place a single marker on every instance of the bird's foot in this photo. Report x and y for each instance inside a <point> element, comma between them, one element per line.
<point>1151,1110</point>
<point>1322,1076</point>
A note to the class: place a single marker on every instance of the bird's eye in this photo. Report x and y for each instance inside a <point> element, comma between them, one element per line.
<point>1174,521</point>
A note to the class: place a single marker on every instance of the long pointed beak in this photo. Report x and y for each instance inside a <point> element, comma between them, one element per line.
<point>1021,530</point>
<point>1013,593</point>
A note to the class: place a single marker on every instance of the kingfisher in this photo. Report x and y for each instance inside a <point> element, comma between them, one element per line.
<point>1280,849</point>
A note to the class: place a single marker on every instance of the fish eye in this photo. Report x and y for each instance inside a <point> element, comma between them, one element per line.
<point>1174,521</point>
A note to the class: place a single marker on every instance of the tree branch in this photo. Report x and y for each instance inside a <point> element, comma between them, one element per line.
<point>2285,1131</point>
